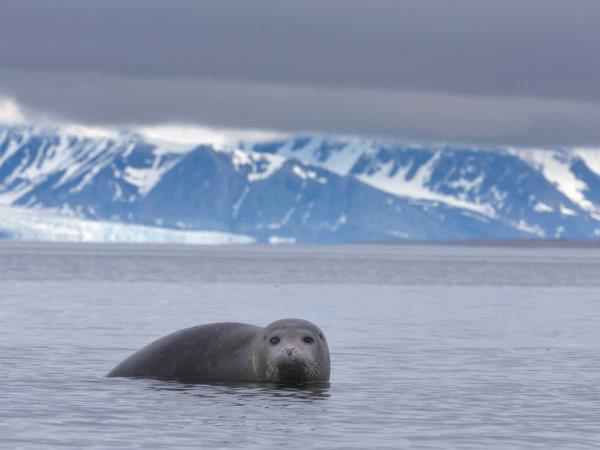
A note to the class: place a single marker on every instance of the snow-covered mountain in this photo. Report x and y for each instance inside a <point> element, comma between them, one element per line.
<point>546,193</point>
<point>302,189</point>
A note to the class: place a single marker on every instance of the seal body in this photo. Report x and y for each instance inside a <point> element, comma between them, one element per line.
<point>289,351</point>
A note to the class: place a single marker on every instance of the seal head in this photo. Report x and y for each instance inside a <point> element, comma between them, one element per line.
<point>293,351</point>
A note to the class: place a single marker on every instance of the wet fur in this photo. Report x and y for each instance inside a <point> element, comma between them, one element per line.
<point>233,352</point>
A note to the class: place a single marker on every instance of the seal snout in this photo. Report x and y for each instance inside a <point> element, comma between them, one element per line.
<point>289,352</point>
<point>290,371</point>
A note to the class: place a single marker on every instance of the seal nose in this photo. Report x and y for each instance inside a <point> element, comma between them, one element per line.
<point>290,351</point>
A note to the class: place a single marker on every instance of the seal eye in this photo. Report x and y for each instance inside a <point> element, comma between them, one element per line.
<point>308,340</point>
<point>274,340</point>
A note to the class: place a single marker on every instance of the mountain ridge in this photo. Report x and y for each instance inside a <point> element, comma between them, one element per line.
<point>312,189</point>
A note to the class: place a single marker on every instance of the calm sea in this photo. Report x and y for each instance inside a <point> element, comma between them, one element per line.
<point>432,347</point>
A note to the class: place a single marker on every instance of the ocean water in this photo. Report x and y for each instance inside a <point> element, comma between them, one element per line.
<point>432,347</point>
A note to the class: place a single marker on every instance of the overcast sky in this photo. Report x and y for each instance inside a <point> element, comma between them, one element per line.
<point>520,72</point>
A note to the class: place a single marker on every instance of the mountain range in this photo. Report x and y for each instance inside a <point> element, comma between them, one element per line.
<point>308,189</point>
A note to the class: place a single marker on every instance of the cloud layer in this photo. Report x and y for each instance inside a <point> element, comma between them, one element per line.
<point>514,72</point>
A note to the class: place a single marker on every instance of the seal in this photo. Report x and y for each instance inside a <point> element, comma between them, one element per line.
<point>288,351</point>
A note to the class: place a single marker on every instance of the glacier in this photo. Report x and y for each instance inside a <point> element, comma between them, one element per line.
<point>82,183</point>
<point>47,225</point>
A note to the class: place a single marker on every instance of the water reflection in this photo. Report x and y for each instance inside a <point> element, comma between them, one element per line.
<point>304,392</point>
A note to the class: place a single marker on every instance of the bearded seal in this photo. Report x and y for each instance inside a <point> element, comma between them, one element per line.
<point>288,351</point>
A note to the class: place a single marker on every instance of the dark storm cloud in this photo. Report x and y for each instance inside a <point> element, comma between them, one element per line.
<point>490,71</point>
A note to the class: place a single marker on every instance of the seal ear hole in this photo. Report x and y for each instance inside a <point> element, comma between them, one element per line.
<point>321,336</point>
<point>274,340</point>
<point>308,340</point>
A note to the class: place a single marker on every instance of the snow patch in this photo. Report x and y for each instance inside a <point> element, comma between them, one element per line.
<point>532,229</point>
<point>304,174</point>
<point>342,157</point>
<point>542,207</point>
<point>340,222</point>
<point>239,202</point>
<point>590,156</point>
<point>416,188</point>
<point>261,166</point>
<point>145,179</point>
<point>566,211</point>
<point>556,167</point>
<point>281,240</point>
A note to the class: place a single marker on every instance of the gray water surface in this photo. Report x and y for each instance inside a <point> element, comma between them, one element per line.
<point>432,347</point>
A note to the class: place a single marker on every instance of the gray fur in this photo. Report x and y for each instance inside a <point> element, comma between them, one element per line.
<point>234,352</point>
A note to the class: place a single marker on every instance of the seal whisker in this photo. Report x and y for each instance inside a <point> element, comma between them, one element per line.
<point>310,366</point>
